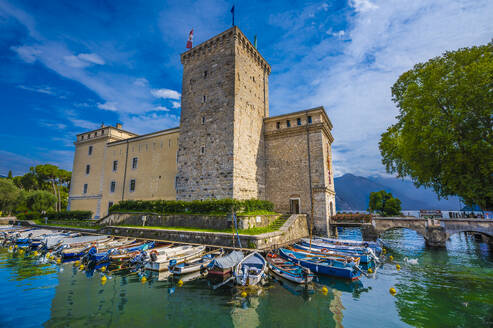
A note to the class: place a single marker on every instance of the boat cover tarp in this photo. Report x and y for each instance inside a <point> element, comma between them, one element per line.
<point>229,260</point>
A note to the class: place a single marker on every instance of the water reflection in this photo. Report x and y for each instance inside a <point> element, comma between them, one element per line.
<point>448,287</point>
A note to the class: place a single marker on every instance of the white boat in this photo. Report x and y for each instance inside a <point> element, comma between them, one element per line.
<point>251,270</point>
<point>160,262</point>
<point>194,265</point>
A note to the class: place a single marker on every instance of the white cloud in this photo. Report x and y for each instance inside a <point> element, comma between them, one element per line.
<point>165,93</point>
<point>150,122</point>
<point>83,60</point>
<point>161,108</point>
<point>28,54</point>
<point>175,104</point>
<point>354,87</point>
<point>51,124</point>
<point>87,125</point>
<point>141,82</point>
<point>108,106</point>
<point>40,89</point>
<point>362,5</point>
<point>92,58</point>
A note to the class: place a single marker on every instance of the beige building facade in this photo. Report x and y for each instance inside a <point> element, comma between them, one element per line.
<point>227,146</point>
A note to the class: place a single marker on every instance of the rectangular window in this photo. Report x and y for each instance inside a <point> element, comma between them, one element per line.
<point>89,152</point>
<point>202,149</point>
<point>203,119</point>
<point>204,99</point>
<point>109,205</point>
<point>298,121</point>
<point>81,137</point>
<point>88,169</point>
<point>85,188</point>
<point>278,124</point>
<point>205,74</point>
<point>309,120</point>
<point>132,185</point>
<point>288,123</point>
<point>112,186</point>
<point>134,162</point>
<point>115,166</point>
<point>102,132</point>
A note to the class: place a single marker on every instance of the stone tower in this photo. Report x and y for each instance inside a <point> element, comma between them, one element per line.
<point>224,101</point>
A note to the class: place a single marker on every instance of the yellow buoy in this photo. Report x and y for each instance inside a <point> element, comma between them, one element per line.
<point>384,251</point>
<point>103,279</point>
<point>325,290</point>
<point>81,267</point>
<point>58,261</point>
<point>244,294</point>
<point>11,249</point>
<point>35,253</point>
<point>21,251</point>
<point>370,270</point>
<point>143,279</point>
<point>391,258</point>
<point>397,266</point>
<point>392,291</point>
<point>180,283</point>
<point>76,263</point>
<point>103,269</point>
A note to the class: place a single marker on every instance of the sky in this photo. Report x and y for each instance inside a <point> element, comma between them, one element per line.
<point>68,66</point>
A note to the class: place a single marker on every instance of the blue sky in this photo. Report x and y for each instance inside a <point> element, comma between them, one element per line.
<point>68,66</point>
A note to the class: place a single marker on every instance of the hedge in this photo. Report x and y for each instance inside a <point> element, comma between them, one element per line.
<point>62,215</point>
<point>193,207</point>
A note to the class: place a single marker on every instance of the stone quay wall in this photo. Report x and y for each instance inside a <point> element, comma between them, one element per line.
<point>294,228</point>
<point>189,221</point>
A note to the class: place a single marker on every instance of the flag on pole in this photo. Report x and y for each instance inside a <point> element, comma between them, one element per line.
<point>233,13</point>
<point>190,38</point>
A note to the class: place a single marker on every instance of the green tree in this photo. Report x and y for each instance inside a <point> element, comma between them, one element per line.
<point>9,194</point>
<point>41,200</point>
<point>384,203</point>
<point>444,135</point>
<point>9,176</point>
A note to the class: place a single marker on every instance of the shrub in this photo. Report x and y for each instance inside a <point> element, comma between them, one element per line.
<point>29,216</point>
<point>69,215</point>
<point>193,207</point>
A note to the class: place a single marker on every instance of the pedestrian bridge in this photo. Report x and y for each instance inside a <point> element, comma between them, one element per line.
<point>436,232</point>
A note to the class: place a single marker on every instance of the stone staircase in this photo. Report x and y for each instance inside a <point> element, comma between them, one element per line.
<point>280,222</point>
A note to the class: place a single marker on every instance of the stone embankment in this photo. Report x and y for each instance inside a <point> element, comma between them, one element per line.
<point>295,228</point>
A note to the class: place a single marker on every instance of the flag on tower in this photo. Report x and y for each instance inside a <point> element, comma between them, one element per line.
<point>190,38</point>
<point>233,13</point>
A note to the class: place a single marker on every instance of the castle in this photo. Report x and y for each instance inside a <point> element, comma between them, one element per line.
<point>226,146</point>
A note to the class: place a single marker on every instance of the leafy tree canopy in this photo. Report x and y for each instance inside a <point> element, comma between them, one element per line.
<point>41,200</point>
<point>444,135</point>
<point>384,203</point>
<point>9,194</point>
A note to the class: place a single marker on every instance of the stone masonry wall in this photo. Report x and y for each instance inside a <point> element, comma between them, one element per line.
<point>205,145</point>
<point>250,107</point>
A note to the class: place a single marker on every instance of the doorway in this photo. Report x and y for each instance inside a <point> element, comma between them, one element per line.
<point>294,204</point>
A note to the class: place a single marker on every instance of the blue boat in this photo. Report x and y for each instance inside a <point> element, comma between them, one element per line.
<point>366,254</point>
<point>375,245</point>
<point>323,265</point>
<point>322,251</point>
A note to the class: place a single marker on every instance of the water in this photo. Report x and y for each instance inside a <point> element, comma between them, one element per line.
<point>448,288</point>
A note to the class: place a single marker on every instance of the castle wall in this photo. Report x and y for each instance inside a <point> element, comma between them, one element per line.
<point>292,152</point>
<point>250,107</point>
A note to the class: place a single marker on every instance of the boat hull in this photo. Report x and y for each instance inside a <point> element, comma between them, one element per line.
<point>320,268</point>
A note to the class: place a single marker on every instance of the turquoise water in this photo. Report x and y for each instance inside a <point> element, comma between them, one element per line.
<point>448,288</point>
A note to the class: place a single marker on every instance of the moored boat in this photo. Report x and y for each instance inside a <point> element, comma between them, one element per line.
<point>361,258</point>
<point>323,265</point>
<point>251,270</point>
<point>365,253</point>
<point>161,261</point>
<point>288,270</point>
<point>223,265</point>
<point>194,265</point>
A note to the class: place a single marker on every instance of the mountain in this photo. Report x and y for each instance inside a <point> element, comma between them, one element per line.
<point>353,193</point>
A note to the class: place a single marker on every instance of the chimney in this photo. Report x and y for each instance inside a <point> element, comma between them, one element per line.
<point>119,126</point>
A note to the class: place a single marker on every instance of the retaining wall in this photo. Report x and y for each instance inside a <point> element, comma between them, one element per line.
<point>186,220</point>
<point>294,228</point>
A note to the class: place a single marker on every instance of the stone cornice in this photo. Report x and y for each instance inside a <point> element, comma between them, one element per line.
<point>298,130</point>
